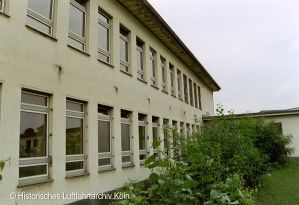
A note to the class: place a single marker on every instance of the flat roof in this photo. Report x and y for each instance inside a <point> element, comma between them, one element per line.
<point>151,19</point>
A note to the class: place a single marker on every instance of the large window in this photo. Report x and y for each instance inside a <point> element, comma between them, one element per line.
<point>155,130</point>
<point>126,139</point>
<point>199,98</point>
<point>179,84</point>
<point>75,159</point>
<point>40,15</point>
<point>171,77</point>
<point>191,92</point>
<point>140,59</point>
<point>104,138</point>
<point>152,65</point>
<point>124,49</point>
<point>163,73</point>
<point>77,24</point>
<point>195,95</point>
<point>104,37</point>
<point>142,137</point>
<point>185,88</point>
<point>33,150</point>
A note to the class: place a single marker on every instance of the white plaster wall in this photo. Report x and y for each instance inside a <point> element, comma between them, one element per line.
<point>29,60</point>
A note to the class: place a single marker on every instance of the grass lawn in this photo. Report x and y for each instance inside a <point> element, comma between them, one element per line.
<point>282,187</point>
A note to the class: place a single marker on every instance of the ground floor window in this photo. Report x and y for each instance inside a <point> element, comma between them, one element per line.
<point>126,138</point>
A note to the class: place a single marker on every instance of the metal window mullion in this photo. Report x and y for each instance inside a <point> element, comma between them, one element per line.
<point>39,17</point>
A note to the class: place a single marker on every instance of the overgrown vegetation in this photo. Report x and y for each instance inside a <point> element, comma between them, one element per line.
<point>222,164</point>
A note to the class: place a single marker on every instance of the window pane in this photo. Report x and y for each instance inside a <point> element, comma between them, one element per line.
<point>77,18</point>
<point>104,162</point>
<point>69,166</point>
<point>126,159</point>
<point>76,44</point>
<point>103,18</point>
<point>195,94</point>
<point>123,50</point>
<point>185,89</point>
<point>74,136</point>
<point>103,57</point>
<point>142,138</point>
<point>155,133</point>
<point>104,136</point>
<point>103,37</point>
<point>142,157</point>
<point>74,106</point>
<point>125,68</point>
<point>152,66</point>
<point>190,92</point>
<point>33,99</point>
<point>1,5</point>
<point>125,137</point>
<point>43,7</point>
<point>139,59</point>
<point>32,171</point>
<point>33,127</point>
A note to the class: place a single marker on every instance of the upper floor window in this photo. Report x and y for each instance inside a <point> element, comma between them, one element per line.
<point>179,83</point>
<point>104,137</point>
<point>195,95</point>
<point>124,49</point>
<point>199,98</point>
<point>126,139</point>
<point>163,73</point>
<point>40,15</point>
<point>34,142</point>
<point>191,92</point>
<point>75,137</point>
<point>77,24</point>
<point>142,137</point>
<point>152,65</point>
<point>171,76</point>
<point>140,59</point>
<point>104,37</point>
<point>1,5</point>
<point>185,88</point>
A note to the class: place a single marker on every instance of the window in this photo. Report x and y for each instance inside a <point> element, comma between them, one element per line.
<point>171,74</point>
<point>40,15</point>
<point>126,139</point>
<point>104,138</point>
<point>2,6</point>
<point>142,137</point>
<point>77,24</point>
<point>195,95</point>
<point>104,35</point>
<point>199,98</point>
<point>140,59</point>
<point>124,49</point>
<point>164,73</point>
<point>188,129</point>
<point>182,130</point>
<point>75,120</point>
<point>34,152</point>
<point>152,65</point>
<point>166,135</point>
<point>179,80</point>
<point>185,89</point>
<point>193,129</point>
<point>191,92</point>
<point>155,130</point>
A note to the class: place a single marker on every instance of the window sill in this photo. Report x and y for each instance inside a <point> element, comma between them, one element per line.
<point>154,86</point>
<point>181,99</point>
<point>106,169</point>
<point>165,91</point>
<point>75,175</point>
<point>4,14</point>
<point>76,49</point>
<point>26,184</point>
<point>125,72</point>
<point>173,95</point>
<point>141,80</point>
<point>40,33</point>
<point>128,165</point>
<point>108,64</point>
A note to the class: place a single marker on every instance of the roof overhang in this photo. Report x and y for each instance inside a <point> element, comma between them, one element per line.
<point>150,18</point>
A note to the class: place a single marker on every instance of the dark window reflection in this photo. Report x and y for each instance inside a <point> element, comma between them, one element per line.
<point>73,166</point>
<point>104,161</point>
<point>33,135</point>
<point>141,137</point>
<point>74,136</point>
<point>104,136</point>
<point>32,171</point>
<point>125,137</point>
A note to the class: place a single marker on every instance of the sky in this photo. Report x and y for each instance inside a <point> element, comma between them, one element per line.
<point>250,47</point>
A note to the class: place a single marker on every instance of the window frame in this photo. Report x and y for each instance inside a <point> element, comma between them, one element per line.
<point>142,152</point>
<point>123,62</point>
<point>106,155</point>
<point>140,71</point>
<point>107,26</point>
<point>73,35</point>
<point>153,59</point>
<point>199,98</point>
<point>163,73</point>
<point>36,161</point>
<point>155,124</point>
<point>186,91</point>
<point>172,79</point>
<point>191,92</point>
<point>2,6</point>
<point>179,84</point>
<point>195,95</point>
<point>76,157</point>
<point>129,153</point>
<point>42,19</point>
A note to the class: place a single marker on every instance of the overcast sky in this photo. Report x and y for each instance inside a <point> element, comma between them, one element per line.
<point>250,47</point>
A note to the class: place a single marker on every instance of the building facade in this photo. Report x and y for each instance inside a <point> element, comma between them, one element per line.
<point>85,87</point>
